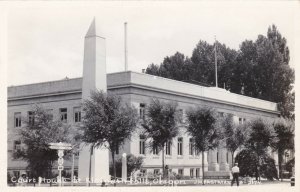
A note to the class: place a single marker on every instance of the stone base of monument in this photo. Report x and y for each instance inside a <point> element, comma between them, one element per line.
<point>217,174</point>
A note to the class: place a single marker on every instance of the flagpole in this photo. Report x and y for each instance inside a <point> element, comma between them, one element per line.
<point>216,67</point>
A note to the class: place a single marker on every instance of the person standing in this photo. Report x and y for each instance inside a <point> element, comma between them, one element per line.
<point>235,173</point>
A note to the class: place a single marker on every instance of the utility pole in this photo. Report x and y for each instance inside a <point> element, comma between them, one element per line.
<point>125,46</point>
<point>216,65</point>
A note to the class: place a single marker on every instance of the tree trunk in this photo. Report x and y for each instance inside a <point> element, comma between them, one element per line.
<point>202,167</point>
<point>163,161</point>
<point>90,167</point>
<point>232,158</point>
<point>280,163</point>
<point>114,167</point>
<point>72,173</point>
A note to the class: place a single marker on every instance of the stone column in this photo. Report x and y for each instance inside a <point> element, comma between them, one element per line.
<point>213,165</point>
<point>223,160</point>
<point>124,167</point>
<point>205,161</point>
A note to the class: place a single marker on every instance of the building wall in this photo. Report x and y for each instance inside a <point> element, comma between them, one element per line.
<point>135,89</point>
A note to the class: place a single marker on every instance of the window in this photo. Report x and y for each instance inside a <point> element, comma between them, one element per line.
<point>179,146</point>
<point>226,157</point>
<point>30,118</point>
<point>180,172</point>
<point>156,171</point>
<point>155,151</point>
<point>16,174</point>
<point>168,148</point>
<point>17,146</point>
<point>217,157</point>
<point>180,114</point>
<point>192,172</point>
<point>142,145</point>
<point>117,151</point>
<point>142,110</point>
<point>63,114</point>
<point>240,121</point>
<point>191,147</point>
<point>220,114</point>
<point>50,113</point>
<point>17,118</point>
<point>77,114</point>
<point>143,172</point>
<point>244,120</point>
<point>197,152</point>
<point>197,172</point>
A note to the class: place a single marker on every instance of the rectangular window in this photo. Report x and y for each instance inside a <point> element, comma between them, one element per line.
<point>244,120</point>
<point>197,152</point>
<point>191,147</point>
<point>192,172</point>
<point>168,148</point>
<point>30,118</point>
<point>117,151</point>
<point>77,114</point>
<point>143,172</point>
<point>220,114</point>
<point>142,144</point>
<point>179,145</point>
<point>180,114</point>
<point>180,172</point>
<point>240,121</point>
<point>17,119</point>
<point>16,174</point>
<point>17,146</point>
<point>156,171</point>
<point>142,110</point>
<point>197,172</point>
<point>63,114</point>
<point>50,113</point>
<point>155,151</point>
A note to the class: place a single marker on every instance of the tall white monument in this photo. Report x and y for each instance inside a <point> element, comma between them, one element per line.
<point>94,77</point>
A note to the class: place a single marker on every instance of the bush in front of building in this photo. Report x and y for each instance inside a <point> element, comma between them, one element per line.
<point>248,164</point>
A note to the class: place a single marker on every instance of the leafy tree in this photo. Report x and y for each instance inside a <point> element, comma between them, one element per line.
<point>173,67</point>
<point>160,125</point>
<point>40,130</point>
<point>107,120</point>
<point>133,164</point>
<point>234,135</point>
<point>284,133</point>
<point>248,164</point>
<point>261,137</point>
<point>259,69</point>
<point>202,126</point>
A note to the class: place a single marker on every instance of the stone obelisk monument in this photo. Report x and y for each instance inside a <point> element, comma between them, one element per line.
<point>94,78</point>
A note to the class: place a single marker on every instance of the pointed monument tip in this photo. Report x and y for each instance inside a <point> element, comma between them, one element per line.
<point>92,32</point>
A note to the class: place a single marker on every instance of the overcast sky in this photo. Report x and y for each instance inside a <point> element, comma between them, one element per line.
<point>45,40</point>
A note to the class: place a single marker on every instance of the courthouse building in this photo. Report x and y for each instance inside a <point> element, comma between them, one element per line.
<point>63,98</point>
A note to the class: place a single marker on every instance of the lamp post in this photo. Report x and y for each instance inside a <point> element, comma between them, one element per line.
<point>60,147</point>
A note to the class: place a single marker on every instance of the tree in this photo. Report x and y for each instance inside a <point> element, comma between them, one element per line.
<point>261,137</point>
<point>234,135</point>
<point>284,133</point>
<point>173,67</point>
<point>259,69</point>
<point>40,130</point>
<point>133,164</point>
<point>107,120</point>
<point>248,165</point>
<point>202,126</point>
<point>160,126</point>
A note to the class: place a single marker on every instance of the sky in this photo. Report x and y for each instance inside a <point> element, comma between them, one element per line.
<point>45,40</point>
